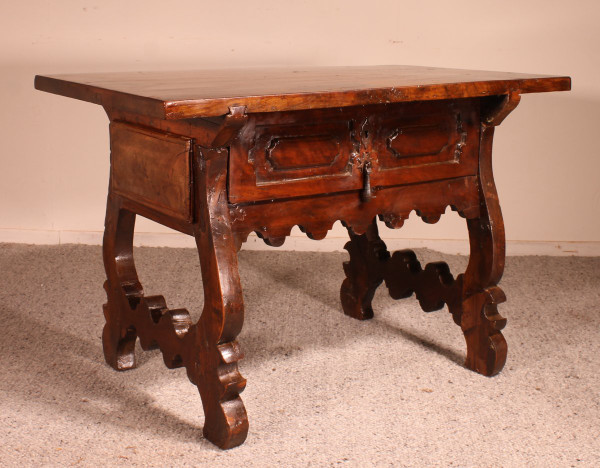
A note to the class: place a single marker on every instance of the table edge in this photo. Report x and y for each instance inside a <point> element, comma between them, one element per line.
<point>151,107</point>
<point>214,107</point>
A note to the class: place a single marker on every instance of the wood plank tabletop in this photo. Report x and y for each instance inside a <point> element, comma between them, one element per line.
<point>210,93</point>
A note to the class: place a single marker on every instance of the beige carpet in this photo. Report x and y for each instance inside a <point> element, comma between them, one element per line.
<point>323,389</point>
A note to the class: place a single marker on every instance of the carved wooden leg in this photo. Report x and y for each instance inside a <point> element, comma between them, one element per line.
<point>364,272</point>
<point>122,286</point>
<point>481,323</point>
<point>219,380</point>
<point>472,298</point>
<point>208,349</point>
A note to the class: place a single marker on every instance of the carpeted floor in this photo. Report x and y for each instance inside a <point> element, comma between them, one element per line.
<point>323,389</point>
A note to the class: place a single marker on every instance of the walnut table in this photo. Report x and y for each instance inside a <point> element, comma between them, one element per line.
<point>218,154</point>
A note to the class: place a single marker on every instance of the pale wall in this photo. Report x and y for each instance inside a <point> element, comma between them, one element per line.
<point>54,160</point>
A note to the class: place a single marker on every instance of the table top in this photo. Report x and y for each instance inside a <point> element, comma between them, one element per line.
<point>210,93</point>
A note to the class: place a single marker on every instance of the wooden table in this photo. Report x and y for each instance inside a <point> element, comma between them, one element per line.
<point>218,154</point>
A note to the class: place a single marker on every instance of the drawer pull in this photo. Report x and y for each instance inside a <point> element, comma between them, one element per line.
<point>366,193</point>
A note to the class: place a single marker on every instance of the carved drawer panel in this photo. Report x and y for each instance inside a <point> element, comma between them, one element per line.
<point>152,168</point>
<point>420,140</point>
<point>424,141</point>
<point>279,156</point>
<point>290,154</point>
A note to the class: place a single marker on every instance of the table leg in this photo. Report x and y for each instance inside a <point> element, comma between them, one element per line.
<point>472,298</point>
<point>480,321</point>
<point>364,272</point>
<point>122,286</point>
<point>220,382</point>
<point>208,349</point>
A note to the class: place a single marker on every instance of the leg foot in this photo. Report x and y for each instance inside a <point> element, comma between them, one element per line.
<point>118,343</point>
<point>481,324</point>
<point>226,426</point>
<point>226,421</point>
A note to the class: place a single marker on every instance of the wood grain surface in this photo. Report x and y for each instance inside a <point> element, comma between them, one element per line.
<point>221,154</point>
<point>206,93</point>
<point>152,168</point>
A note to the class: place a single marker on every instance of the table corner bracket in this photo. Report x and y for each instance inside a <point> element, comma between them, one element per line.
<point>497,108</point>
<point>230,126</point>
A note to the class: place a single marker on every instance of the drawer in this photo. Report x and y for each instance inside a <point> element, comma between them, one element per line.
<point>424,141</point>
<point>152,168</point>
<point>293,154</point>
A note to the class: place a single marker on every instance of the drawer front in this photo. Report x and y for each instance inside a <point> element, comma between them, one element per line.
<point>152,168</point>
<point>292,154</point>
<point>424,141</point>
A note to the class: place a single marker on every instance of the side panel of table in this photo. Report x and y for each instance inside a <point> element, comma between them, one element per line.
<point>152,168</point>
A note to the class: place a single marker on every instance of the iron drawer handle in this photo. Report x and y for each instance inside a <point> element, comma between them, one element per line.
<point>366,193</point>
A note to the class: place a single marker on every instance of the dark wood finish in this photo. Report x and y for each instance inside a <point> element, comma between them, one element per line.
<point>208,350</point>
<point>153,168</point>
<point>285,153</point>
<point>473,297</point>
<point>226,423</point>
<point>481,323</point>
<point>206,93</point>
<point>333,150</point>
<point>220,154</point>
<point>363,272</point>
<point>315,215</point>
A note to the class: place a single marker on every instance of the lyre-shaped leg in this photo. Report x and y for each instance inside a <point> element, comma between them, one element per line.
<point>208,350</point>
<point>364,272</point>
<point>122,286</point>
<point>480,321</point>
<point>219,380</point>
<point>472,298</point>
